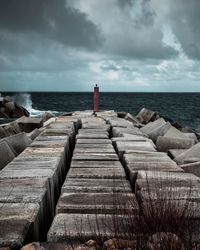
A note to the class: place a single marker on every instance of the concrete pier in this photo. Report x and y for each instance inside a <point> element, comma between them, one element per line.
<point>82,174</point>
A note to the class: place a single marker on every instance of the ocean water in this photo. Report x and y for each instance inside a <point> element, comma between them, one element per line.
<point>181,107</point>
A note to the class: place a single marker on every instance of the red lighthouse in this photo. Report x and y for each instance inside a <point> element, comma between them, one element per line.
<point>96,98</point>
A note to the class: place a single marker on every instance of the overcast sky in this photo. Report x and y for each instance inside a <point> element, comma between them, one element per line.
<point>124,45</point>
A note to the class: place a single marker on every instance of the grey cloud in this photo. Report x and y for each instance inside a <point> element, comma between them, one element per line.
<point>51,19</point>
<point>184,19</point>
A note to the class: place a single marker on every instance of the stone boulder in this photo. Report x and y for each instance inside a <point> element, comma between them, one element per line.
<point>9,109</point>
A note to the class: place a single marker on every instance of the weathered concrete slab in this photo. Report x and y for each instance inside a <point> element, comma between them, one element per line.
<point>24,182</point>
<point>94,131</point>
<point>95,126</point>
<point>49,144</point>
<point>94,150</point>
<point>193,168</point>
<point>96,164</point>
<point>21,211</point>
<point>193,152</point>
<point>173,153</point>
<point>159,131</point>
<point>51,138</point>
<point>27,124</point>
<point>97,203</point>
<point>192,136</point>
<point>33,134</point>
<point>13,128</point>
<point>93,141</point>
<point>95,157</point>
<point>89,226</point>
<point>131,158</point>
<point>94,145</point>
<point>61,125</point>
<point>3,133</point>
<point>122,147</point>
<point>131,118</point>
<point>118,122</point>
<point>146,115</point>
<point>170,176</point>
<point>168,184</point>
<point>165,143</point>
<point>58,132</point>
<point>92,136</point>
<point>7,154</point>
<point>153,125</point>
<point>73,185</point>
<point>100,173</point>
<point>120,132</point>
<point>19,141</point>
<point>175,133</point>
<point>45,152</point>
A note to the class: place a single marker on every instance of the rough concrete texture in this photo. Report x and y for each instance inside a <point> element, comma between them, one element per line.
<point>94,150</point>
<point>7,154</point>
<point>159,131</point>
<point>18,142</point>
<point>13,128</point>
<point>175,133</point>
<point>193,168</point>
<point>96,164</point>
<point>74,226</point>
<point>35,133</point>
<point>153,125</point>
<point>120,132</point>
<point>97,203</point>
<point>92,136</point>
<point>191,136</point>
<point>193,152</point>
<point>95,157</point>
<point>27,124</point>
<point>173,153</point>
<point>94,130</point>
<point>3,133</point>
<point>131,118</point>
<point>96,185</point>
<point>145,115</point>
<point>164,143</point>
<point>93,141</point>
<point>101,173</point>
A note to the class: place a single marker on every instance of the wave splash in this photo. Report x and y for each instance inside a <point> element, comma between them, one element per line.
<point>24,100</point>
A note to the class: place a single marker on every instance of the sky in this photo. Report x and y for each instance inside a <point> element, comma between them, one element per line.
<point>123,45</point>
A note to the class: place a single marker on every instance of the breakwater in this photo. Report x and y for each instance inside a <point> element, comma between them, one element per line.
<point>83,177</point>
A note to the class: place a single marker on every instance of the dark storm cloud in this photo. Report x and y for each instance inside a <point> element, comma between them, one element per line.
<point>184,18</point>
<point>49,18</point>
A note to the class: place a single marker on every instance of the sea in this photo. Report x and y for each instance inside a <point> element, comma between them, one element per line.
<point>183,108</point>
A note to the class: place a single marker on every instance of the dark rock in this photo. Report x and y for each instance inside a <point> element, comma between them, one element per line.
<point>121,114</point>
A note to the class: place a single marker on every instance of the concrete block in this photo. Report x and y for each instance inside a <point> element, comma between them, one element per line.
<point>96,164</point>
<point>131,118</point>
<point>173,153</point>
<point>193,168</point>
<point>17,212</point>
<point>159,131</point>
<point>95,157</point>
<point>118,122</point>
<point>93,141</point>
<point>92,136</point>
<point>94,150</point>
<point>7,154</point>
<point>27,124</point>
<point>94,131</point>
<point>3,133</point>
<point>94,145</point>
<point>19,141</point>
<point>73,185</point>
<point>153,125</point>
<point>95,126</point>
<point>97,203</point>
<point>191,136</point>
<point>120,132</point>
<point>175,133</point>
<point>164,143</point>
<point>61,125</point>
<point>35,133</point>
<point>87,226</point>
<point>193,152</point>
<point>99,173</point>
<point>146,115</point>
<point>13,128</point>
<point>170,176</point>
